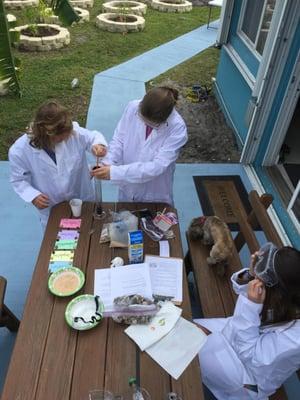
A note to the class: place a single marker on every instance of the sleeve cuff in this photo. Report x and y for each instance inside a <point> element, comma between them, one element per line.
<point>30,194</point>
<point>248,310</point>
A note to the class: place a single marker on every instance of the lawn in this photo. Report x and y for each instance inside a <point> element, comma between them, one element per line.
<point>199,69</point>
<point>49,75</point>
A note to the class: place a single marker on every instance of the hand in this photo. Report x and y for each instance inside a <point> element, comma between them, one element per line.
<point>41,201</point>
<point>103,172</point>
<point>99,150</point>
<point>256,291</point>
<point>253,261</point>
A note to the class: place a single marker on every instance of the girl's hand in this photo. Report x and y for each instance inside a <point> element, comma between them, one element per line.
<point>99,150</point>
<point>41,201</point>
<point>256,291</point>
<point>103,172</point>
<point>253,261</point>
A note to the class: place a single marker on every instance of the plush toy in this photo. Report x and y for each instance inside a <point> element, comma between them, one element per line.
<point>213,231</point>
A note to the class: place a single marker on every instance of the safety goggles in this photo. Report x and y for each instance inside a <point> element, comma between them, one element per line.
<point>264,268</point>
<point>151,124</point>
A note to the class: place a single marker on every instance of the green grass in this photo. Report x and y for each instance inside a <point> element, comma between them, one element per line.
<point>199,69</point>
<point>49,75</point>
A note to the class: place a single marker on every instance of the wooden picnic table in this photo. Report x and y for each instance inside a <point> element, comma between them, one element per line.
<point>51,361</point>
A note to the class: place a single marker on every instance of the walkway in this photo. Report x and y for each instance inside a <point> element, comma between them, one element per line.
<point>112,90</point>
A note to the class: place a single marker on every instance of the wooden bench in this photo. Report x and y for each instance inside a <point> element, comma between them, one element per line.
<point>7,318</point>
<point>222,302</point>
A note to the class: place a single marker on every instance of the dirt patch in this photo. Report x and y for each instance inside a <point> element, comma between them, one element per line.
<point>210,138</point>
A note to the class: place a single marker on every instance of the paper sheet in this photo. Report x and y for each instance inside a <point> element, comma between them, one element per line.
<point>164,248</point>
<point>146,335</point>
<point>166,276</point>
<point>131,279</point>
<point>68,223</point>
<point>176,350</point>
<point>102,286</point>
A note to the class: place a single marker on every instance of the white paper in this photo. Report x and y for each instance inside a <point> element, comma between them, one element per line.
<point>176,350</point>
<point>131,279</point>
<point>164,248</point>
<point>146,335</point>
<point>102,286</point>
<point>166,276</point>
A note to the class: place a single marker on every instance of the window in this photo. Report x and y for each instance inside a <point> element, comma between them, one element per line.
<point>256,22</point>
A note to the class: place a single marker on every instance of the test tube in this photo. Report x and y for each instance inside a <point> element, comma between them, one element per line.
<point>99,213</point>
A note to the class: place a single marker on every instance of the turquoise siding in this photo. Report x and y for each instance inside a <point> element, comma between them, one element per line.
<point>279,97</point>
<point>229,79</point>
<point>234,94</point>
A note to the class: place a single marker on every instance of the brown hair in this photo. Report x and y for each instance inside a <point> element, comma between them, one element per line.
<point>282,302</point>
<point>51,119</point>
<point>158,103</point>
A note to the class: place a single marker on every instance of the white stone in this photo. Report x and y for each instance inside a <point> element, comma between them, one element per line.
<point>84,15</point>
<point>82,3</point>
<point>44,43</point>
<point>125,7</point>
<point>19,4</point>
<point>105,22</point>
<point>185,6</point>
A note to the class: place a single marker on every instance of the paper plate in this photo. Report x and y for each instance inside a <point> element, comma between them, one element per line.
<point>84,312</point>
<point>66,281</point>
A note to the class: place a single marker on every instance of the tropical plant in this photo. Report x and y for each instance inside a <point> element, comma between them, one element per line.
<point>8,64</point>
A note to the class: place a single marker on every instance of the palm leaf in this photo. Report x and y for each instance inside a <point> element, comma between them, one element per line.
<point>7,61</point>
<point>64,10</point>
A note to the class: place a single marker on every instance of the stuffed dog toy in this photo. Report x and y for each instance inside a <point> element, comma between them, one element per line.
<point>213,231</point>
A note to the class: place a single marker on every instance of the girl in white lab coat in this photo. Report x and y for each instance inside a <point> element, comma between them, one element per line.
<point>250,355</point>
<point>48,165</point>
<point>142,154</point>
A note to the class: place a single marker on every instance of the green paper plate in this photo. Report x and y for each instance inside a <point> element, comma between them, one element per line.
<point>66,281</point>
<point>81,314</point>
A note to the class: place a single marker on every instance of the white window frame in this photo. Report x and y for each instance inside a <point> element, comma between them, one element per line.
<point>242,35</point>
<point>291,203</point>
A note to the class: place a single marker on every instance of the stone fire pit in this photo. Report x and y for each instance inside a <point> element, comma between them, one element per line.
<point>117,22</point>
<point>119,6</point>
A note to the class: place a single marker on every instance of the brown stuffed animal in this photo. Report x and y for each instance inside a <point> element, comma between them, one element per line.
<point>213,231</point>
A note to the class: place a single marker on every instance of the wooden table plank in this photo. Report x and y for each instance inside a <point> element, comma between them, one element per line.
<point>121,351</point>
<point>89,366</point>
<point>23,374</point>
<point>59,363</point>
<point>189,384</point>
<point>158,382</point>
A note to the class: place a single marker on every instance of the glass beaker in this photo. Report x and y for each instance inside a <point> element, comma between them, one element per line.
<point>100,394</point>
<point>99,213</point>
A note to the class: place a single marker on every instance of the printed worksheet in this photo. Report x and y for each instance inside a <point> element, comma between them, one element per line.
<point>166,276</point>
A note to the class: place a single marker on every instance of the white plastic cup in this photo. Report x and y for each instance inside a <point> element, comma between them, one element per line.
<point>76,205</point>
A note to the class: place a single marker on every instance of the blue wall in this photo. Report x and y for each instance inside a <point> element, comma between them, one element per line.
<point>233,94</point>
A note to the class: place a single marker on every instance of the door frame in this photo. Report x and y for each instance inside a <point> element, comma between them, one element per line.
<point>285,115</point>
<point>275,57</point>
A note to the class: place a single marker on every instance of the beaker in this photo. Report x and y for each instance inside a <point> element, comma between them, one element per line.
<point>99,394</point>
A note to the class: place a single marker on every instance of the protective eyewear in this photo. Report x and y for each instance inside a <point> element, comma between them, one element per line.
<point>151,124</point>
<point>264,268</point>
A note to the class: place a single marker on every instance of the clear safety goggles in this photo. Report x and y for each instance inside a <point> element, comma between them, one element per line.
<point>264,268</point>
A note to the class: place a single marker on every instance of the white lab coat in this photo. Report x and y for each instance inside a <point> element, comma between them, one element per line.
<point>144,169</point>
<point>33,172</point>
<point>239,352</point>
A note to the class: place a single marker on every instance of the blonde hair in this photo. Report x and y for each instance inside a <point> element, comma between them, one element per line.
<point>51,119</point>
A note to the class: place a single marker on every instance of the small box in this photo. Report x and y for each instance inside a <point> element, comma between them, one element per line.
<point>135,247</point>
